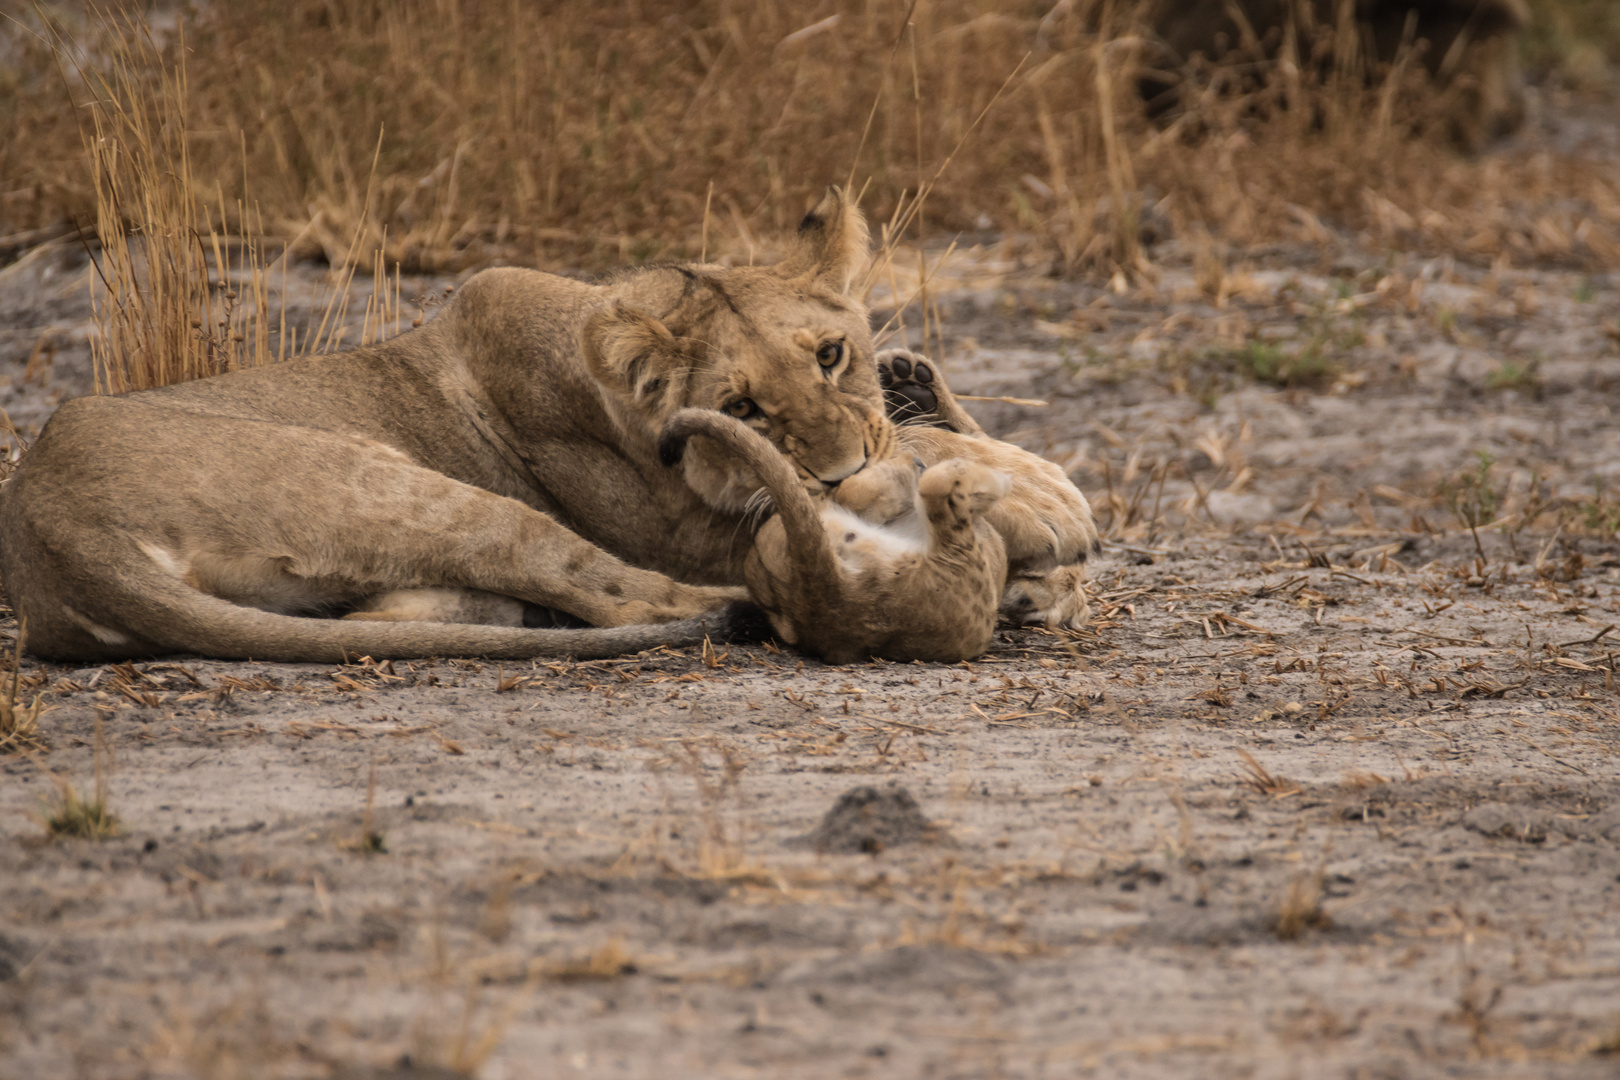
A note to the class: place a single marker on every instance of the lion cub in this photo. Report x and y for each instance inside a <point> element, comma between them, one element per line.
<point>894,564</point>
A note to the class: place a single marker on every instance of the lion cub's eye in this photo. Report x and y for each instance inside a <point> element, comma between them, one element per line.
<point>830,353</point>
<point>743,408</point>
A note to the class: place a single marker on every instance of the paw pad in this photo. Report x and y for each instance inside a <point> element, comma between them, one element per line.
<point>905,378</point>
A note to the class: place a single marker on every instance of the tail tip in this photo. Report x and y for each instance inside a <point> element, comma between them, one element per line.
<point>740,621</point>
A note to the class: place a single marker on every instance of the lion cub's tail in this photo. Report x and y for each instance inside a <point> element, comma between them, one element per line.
<point>815,568</point>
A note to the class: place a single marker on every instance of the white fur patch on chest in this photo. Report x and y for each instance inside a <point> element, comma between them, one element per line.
<point>859,544</point>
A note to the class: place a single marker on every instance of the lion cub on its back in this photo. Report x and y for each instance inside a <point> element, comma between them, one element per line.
<point>899,566</point>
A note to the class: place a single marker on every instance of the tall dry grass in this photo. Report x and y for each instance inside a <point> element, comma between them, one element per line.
<point>184,280</point>
<point>447,133</point>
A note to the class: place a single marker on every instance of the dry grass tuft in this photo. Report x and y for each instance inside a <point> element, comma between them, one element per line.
<point>184,281</point>
<point>721,853</point>
<point>1361,780</point>
<point>1607,1045</point>
<point>1301,907</point>
<point>168,306</point>
<point>460,1045</point>
<point>233,1041</point>
<point>608,961</point>
<point>73,815</point>
<point>1258,777</point>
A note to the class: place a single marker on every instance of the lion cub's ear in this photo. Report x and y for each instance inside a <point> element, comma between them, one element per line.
<point>833,244</point>
<point>635,355</point>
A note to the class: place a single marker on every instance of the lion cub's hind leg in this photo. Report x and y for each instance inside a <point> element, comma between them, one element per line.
<point>1055,599</point>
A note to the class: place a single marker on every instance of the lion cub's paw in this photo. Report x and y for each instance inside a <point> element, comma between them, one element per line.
<point>966,488</point>
<point>1055,600</point>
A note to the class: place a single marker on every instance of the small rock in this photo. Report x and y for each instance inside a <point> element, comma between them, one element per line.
<point>1513,822</point>
<point>1604,825</point>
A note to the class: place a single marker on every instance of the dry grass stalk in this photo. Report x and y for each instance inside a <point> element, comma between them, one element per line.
<point>1359,780</point>
<point>721,853</point>
<point>370,840</point>
<point>168,307</point>
<point>19,722</point>
<point>462,1046</point>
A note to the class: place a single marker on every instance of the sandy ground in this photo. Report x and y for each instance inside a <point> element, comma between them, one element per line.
<point>1328,788</point>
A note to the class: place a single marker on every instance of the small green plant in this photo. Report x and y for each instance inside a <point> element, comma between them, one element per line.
<point>1584,291</point>
<point>1474,499</point>
<point>1312,366</point>
<point>1471,496</point>
<point>1263,361</point>
<point>1266,362</point>
<point>1513,376</point>
<point>1600,514</point>
<point>74,815</point>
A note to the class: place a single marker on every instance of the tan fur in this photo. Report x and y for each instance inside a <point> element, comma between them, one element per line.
<point>848,588</point>
<point>508,447</point>
<point>1056,600</point>
<point>1047,585</point>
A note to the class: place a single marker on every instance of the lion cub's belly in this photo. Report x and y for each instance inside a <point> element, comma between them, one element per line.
<point>862,545</point>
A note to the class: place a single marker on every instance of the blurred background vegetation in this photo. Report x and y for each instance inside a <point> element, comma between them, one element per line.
<point>445,134</point>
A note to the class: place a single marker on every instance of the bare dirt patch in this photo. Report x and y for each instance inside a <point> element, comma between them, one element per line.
<point>1328,788</point>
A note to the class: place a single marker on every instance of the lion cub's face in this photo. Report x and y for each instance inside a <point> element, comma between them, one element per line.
<point>786,349</point>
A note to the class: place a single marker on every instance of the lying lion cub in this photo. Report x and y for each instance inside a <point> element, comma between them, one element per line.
<point>888,564</point>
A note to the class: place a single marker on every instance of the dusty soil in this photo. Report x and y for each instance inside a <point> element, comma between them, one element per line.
<point>1328,788</point>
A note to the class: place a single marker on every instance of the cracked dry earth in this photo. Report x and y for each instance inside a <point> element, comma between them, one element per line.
<point>1327,789</point>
